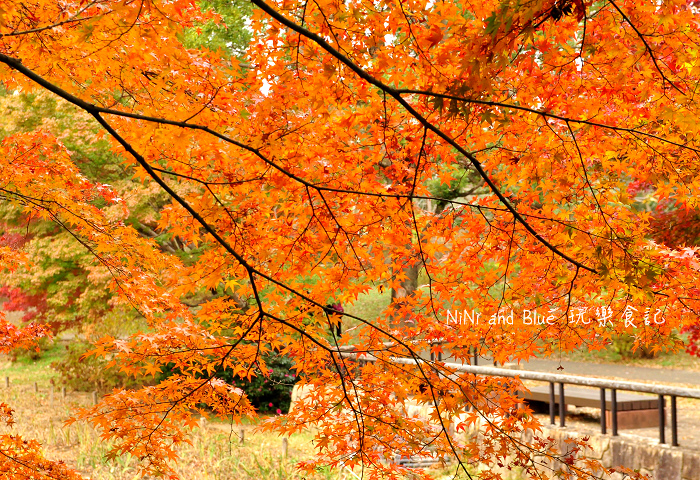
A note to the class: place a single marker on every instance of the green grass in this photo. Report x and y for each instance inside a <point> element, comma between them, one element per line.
<point>26,370</point>
<point>368,306</point>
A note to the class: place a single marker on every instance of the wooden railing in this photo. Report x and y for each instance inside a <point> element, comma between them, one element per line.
<point>553,379</point>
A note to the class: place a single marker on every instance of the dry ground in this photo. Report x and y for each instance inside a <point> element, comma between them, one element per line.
<point>216,452</point>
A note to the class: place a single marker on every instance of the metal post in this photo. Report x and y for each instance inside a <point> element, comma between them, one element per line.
<point>551,403</point>
<point>562,406</point>
<point>603,426</point>
<point>662,420</point>
<point>674,422</point>
<point>613,393</point>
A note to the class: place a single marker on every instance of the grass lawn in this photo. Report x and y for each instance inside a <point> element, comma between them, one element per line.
<point>371,305</point>
<point>368,306</point>
<point>25,371</point>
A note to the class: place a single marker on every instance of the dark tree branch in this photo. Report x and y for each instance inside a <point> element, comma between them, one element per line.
<point>251,270</point>
<point>396,95</point>
<point>545,114</point>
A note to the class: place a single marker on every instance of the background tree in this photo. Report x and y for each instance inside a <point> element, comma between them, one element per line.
<point>301,179</point>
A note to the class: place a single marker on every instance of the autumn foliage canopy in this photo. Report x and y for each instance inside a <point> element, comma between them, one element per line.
<point>528,159</point>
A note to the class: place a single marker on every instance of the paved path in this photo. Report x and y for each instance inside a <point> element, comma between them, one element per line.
<point>665,375</point>
<point>631,373</point>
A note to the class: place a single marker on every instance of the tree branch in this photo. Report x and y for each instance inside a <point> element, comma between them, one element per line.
<point>646,45</point>
<point>395,94</point>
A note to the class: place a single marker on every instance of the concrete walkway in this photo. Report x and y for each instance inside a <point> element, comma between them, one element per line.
<point>643,374</point>
<point>612,370</point>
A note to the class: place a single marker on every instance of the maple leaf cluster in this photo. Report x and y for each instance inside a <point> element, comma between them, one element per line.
<point>307,175</point>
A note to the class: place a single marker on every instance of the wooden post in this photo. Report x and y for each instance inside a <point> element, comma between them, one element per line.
<point>7,382</point>
<point>674,422</point>
<point>613,413</point>
<point>551,403</point>
<point>562,406</point>
<point>242,435</point>
<point>285,446</point>
<point>36,387</point>
<point>63,392</point>
<point>603,426</point>
<point>51,395</point>
<point>662,420</point>
<point>94,398</point>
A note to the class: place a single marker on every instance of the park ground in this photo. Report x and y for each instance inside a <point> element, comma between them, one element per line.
<point>216,451</point>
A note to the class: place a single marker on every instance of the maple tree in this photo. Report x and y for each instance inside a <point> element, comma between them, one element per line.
<point>64,289</point>
<point>306,174</point>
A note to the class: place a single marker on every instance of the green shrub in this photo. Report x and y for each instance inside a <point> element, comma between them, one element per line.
<point>89,373</point>
<point>623,345</point>
<point>270,393</point>
<point>32,354</point>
